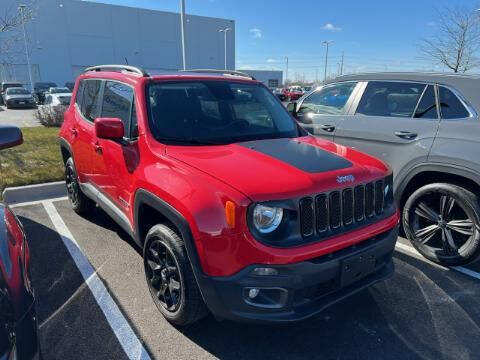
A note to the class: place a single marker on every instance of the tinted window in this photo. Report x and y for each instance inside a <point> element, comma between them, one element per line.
<point>64,100</point>
<point>117,102</point>
<point>91,99</point>
<point>427,108</point>
<point>330,100</point>
<point>48,100</point>
<point>450,106</point>
<point>216,112</point>
<point>79,94</point>
<point>390,99</point>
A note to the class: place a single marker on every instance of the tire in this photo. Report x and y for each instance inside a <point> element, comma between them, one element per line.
<point>81,204</point>
<point>442,221</point>
<point>174,291</point>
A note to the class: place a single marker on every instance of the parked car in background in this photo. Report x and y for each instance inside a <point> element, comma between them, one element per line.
<point>18,321</point>
<point>17,97</point>
<point>238,210</point>
<point>306,89</point>
<point>58,90</point>
<point>52,111</point>
<point>293,93</point>
<point>40,88</point>
<point>70,85</point>
<point>427,127</point>
<point>4,86</point>
<point>280,94</point>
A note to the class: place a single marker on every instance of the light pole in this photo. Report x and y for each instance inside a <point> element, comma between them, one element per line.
<point>326,43</point>
<point>227,29</point>
<point>22,8</point>
<point>286,72</point>
<point>182,25</point>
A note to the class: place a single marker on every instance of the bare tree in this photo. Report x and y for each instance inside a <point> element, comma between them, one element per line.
<point>11,20</point>
<point>456,41</point>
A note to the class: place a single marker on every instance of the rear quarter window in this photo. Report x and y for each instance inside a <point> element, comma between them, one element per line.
<point>450,105</point>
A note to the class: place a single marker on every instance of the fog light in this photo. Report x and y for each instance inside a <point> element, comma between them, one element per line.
<point>265,271</point>
<point>252,293</point>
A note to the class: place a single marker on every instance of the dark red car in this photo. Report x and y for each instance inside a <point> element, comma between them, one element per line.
<point>293,93</point>
<point>18,322</point>
<point>238,210</point>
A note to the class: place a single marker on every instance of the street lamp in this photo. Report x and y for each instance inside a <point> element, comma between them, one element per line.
<point>182,25</point>
<point>22,8</point>
<point>326,43</point>
<point>286,72</point>
<point>227,29</point>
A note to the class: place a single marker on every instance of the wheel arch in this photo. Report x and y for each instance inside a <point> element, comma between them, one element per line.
<point>146,202</point>
<point>427,173</point>
<point>65,149</point>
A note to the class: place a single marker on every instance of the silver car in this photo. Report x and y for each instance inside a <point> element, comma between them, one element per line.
<point>18,97</point>
<point>427,128</point>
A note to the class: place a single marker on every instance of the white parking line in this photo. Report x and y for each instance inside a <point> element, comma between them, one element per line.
<point>130,343</point>
<point>37,202</point>
<point>409,250</point>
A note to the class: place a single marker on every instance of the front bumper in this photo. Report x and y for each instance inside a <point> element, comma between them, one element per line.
<point>300,290</point>
<point>18,103</point>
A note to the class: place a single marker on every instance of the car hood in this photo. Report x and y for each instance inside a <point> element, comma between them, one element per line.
<point>275,169</point>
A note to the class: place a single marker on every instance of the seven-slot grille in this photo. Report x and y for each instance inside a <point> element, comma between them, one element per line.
<point>331,211</point>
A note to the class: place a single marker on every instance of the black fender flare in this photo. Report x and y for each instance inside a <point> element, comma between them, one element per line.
<point>175,217</point>
<point>441,168</point>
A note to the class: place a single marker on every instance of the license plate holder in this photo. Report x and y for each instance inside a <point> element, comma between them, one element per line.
<point>357,267</point>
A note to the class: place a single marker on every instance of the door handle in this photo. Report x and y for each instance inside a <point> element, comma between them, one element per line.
<point>98,148</point>
<point>74,131</point>
<point>328,128</point>
<point>406,135</point>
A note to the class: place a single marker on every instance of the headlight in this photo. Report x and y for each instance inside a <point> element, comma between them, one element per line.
<point>266,219</point>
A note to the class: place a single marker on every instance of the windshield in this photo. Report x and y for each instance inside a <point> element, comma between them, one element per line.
<point>17,91</point>
<point>64,100</point>
<point>214,112</point>
<point>59,90</point>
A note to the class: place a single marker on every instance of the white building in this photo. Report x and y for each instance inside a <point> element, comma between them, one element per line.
<point>271,78</point>
<point>68,35</point>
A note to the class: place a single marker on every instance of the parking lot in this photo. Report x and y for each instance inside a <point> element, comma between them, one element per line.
<point>18,117</point>
<point>93,303</point>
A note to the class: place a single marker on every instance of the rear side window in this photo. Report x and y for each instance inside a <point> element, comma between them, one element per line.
<point>91,99</point>
<point>117,103</point>
<point>330,100</point>
<point>450,105</point>
<point>427,108</point>
<point>79,95</point>
<point>384,98</point>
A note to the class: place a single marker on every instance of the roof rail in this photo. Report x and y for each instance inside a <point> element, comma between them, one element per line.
<point>129,68</point>
<point>224,72</point>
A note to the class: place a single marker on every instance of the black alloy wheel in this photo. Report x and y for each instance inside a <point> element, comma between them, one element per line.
<point>163,275</point>
<point>442,223</point>
<point>72,184</point>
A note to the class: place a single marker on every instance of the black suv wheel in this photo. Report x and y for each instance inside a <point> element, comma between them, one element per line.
<point>442,221</point>
<point>170,277</point>
<point>81,204</point>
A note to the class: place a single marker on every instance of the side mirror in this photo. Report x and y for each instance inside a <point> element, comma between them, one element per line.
<point>10,136</point>
<point>109,128</point>
<point>292,108</point>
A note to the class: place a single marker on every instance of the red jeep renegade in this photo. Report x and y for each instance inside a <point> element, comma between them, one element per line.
<point>238,210</point>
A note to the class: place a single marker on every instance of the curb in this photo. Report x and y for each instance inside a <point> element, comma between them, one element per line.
<point>20,194</point>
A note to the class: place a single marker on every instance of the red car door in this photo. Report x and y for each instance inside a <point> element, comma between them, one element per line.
<point>86,109</point>
<point>119,159</point>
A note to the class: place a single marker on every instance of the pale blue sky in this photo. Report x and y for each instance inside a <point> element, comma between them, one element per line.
<point>374,34</point>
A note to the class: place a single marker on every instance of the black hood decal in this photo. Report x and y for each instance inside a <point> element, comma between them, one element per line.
<point>299,154</point>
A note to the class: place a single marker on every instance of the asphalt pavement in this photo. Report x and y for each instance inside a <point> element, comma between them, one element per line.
<point>19,117</point>
<point>424,312</point>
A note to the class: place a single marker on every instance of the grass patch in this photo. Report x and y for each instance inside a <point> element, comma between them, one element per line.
<point>37,160</point>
